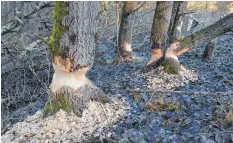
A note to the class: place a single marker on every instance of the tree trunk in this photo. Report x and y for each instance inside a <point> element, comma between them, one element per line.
<point>159,30</point>
<point>125,32</point>
<point>220,27</point>
<point>174,20</point>
<point>72,46</point>
<point>209,50</point>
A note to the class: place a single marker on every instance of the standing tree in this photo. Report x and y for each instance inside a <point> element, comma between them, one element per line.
<point>72,46</point>
<point>125,52</point>
<point>159,30</point>
<point>174,20</point>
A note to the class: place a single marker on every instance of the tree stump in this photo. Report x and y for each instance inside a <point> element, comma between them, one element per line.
<point>209,51</point>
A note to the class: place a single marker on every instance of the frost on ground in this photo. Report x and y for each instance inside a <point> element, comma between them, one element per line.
<point>147,117</point>
<point>158,79</point>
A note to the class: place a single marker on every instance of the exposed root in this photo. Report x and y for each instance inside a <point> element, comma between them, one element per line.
<point>151,66</point>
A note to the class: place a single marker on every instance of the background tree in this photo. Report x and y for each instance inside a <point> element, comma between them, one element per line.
<point>125,32</point>
<point>174,20</point>
<point>72,46</point>
<point>159,30</point>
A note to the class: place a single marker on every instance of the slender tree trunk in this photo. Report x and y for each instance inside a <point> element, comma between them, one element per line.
<point>210,50</point>
<point>205,35</point>
<point>125,32</point>
<point>174,20</point>
<point>159,30</point>
<point>72,46</point>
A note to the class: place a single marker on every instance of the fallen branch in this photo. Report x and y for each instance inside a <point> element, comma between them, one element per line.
<point>181,92</point>
<point>220,132</point>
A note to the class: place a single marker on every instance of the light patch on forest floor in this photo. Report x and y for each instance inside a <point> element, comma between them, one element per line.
<point>64,127</point>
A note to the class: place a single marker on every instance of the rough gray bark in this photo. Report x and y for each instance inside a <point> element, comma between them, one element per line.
<point>78,43</point>
<point>125,32</point>
<point>159,30</point>
<point>72,48</point>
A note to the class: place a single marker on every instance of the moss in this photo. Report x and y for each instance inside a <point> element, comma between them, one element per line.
<point>60,103</point>
<point>181,38</point>
<point>59,29</point>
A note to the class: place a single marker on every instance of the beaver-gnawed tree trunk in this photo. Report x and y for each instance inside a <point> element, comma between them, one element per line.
<point>159,30</point>
<point>186,44</point>
<point>171,63</point>
<point>72,46</point>
<point>125,52</point>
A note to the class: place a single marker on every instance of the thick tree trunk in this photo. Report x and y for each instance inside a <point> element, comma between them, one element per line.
<point>220,27</point>
<point>159,30</point>
<point>125,32</point>
<point>72,46</point>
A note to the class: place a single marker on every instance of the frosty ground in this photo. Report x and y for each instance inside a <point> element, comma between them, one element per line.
<point>146,117</point>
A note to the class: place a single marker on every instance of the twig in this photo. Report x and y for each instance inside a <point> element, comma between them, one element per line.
<point>182,92</point>
<point>220,132</point>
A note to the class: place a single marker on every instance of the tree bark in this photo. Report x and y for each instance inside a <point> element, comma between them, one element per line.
<point>174,20</point>
<point>159,30</point>
<point>220,27</point>
<point>72,46</point>
<point>125,32</point>
<point>209,51</point>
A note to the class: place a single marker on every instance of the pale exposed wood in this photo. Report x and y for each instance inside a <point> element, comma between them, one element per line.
<point>74,79</point>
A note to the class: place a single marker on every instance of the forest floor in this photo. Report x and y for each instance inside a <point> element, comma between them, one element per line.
<point>146,117</point>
